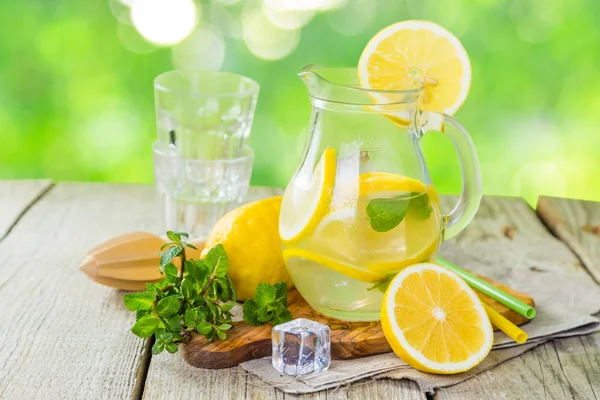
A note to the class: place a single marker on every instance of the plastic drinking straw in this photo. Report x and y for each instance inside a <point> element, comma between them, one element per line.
<point>490,290</point>
<point>511,330</point>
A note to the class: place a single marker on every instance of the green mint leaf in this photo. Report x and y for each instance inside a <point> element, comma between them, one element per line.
<point>214,310</point>
<point>168,306</point>
<point>216,260</point>
<point>264,314</point>
<point>152,288</point>
<point>191,246</point>
<point>145,326</point>
<point>140,313</point>
<point>189,287</point>
<point>170,270</point>
<point>168,255</point>
<point>220,334</point>
<point>173,236</point>
<point>281,293</point>
<point>228,306</point>
<point>264,294</point>
<point>171,348</point>
<point>224,288</point>
<point>162,284</point>
<point>190,267</point>
<point>182,234</point>
<point>139,301</point>
<point>250,310</point>
<point>173,323</point>
<point>386,214</point>
<point>383,285</point>
<point>164,246</point>
<point>204,328</point>
<point>419,206</point>
<point>158,348</point>
<point>211,292</point>
<point>193,316</point>
<point>163,336</point>
<point>283,316</point>
<point>200,272</point>
<point>224,327</point>
<point>233,293</point>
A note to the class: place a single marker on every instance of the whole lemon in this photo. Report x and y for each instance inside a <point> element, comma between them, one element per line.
<point>250,236</point>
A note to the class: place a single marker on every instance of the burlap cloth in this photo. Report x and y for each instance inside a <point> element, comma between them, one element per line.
<point>565,299</point>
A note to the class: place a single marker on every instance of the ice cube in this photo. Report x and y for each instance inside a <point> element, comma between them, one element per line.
<point>301,347</point>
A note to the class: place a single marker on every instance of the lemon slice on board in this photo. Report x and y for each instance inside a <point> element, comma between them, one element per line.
<point>307,201</point>
<point>408,52</point>
<point>434,321</point>
<point>343,268</point>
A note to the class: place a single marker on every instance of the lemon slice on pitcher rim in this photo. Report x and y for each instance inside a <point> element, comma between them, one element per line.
<point>307,202</point>
<point>434,321</point>
<point>408,54</point>
<point>343,268</point>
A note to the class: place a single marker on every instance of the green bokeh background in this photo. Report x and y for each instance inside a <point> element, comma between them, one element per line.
<point>77,104</point>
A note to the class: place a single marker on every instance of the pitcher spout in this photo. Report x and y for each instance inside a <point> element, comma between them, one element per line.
<point>342,86</point>
<point>315,83</point>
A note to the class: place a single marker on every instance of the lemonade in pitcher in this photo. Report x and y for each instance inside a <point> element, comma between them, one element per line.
<point>360,206</point>
<point>375,225</point>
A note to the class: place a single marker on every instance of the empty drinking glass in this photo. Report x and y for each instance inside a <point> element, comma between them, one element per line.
<point>202,164</point>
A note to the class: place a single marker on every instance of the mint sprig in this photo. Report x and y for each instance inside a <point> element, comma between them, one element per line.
<point>268,305</point>
<point>387,213</point>
<point>196,298</point>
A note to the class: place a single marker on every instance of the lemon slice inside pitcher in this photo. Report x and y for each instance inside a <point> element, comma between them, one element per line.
<point>410,53</point>
<point>308,200</point>
<point>346,235</point>
<point>343,268</point>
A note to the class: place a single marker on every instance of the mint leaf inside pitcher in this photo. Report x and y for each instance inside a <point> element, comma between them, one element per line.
<point>386,214</point>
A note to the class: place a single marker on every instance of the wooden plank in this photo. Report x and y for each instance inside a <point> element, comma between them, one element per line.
<point>577,223</point>
<point>16,197</point>
<point>61,335</point>
<point>378,389</point>
<point>565,368</point>
<point>562,369</point>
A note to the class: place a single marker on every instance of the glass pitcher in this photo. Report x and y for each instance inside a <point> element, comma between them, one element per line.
<point>361,206</point>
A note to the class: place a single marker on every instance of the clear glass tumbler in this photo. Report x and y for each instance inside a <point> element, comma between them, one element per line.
<point>204,114</point>
<point>195,193</point>
<point>202,163</point>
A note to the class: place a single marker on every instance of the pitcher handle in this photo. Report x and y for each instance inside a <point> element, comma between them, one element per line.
<point>470,198</point>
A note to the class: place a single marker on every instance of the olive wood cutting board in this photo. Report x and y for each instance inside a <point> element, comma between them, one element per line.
<point>348,339</point>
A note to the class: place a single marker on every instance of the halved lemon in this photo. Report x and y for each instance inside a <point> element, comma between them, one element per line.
<point>307,200</point>
<point>343,268</point>
<point>411,52</point>
<point>434,321</point>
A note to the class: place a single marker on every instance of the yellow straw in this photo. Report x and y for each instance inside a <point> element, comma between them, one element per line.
<point>511,330</point>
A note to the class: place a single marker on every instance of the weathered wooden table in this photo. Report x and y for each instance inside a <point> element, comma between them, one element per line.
<point>64,337</point>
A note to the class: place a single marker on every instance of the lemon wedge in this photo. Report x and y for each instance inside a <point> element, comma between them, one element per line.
<point>306,201</point>
<point>410,53</point>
